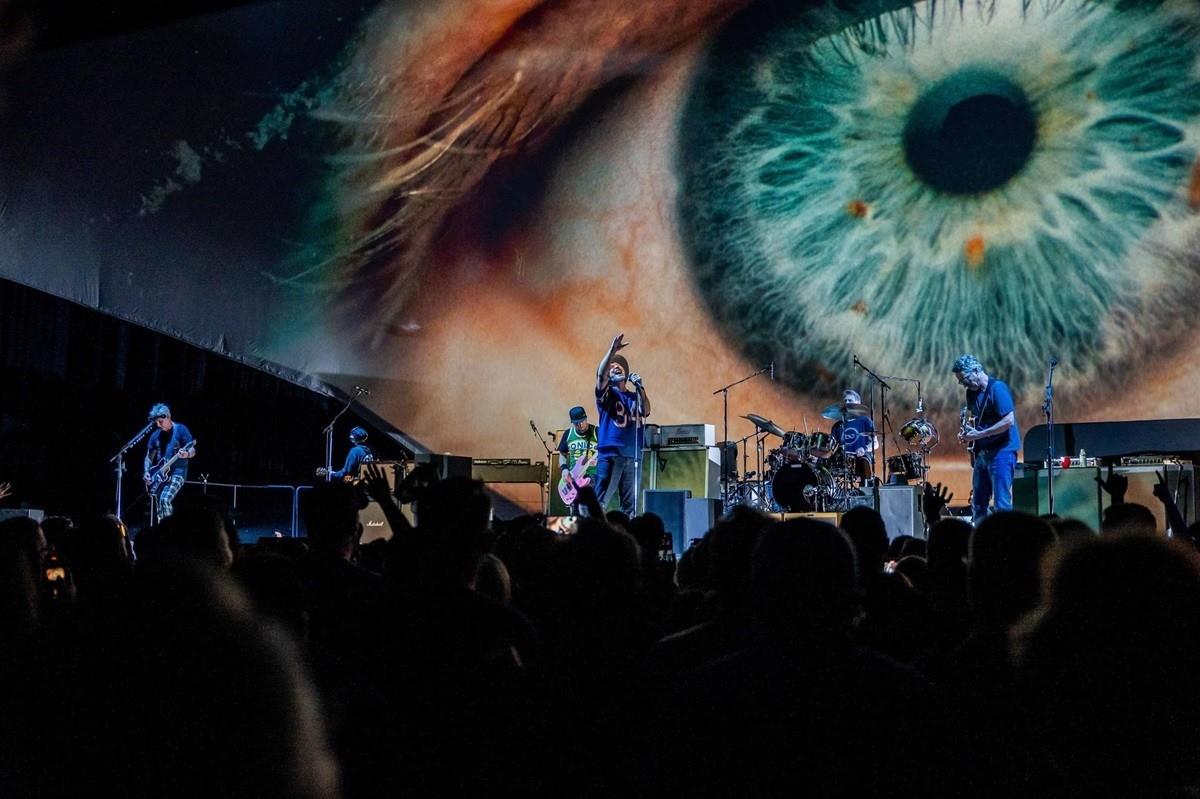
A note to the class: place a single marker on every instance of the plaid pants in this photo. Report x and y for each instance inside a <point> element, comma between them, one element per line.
<point>166,493</point>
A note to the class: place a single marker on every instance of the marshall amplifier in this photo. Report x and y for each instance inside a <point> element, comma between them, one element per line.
<point>687,435</point>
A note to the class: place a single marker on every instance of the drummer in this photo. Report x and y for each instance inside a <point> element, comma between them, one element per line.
<point>856,434</point>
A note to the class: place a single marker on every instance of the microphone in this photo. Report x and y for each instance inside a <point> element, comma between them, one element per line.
<point>533,427</point>
<point>361,390</point>
<point>1053,360</point>
<point>772,371</point>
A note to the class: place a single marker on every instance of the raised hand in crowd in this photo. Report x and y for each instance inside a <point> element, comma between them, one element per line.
<point>376,484</point>
<point>5,490</point>
<point>1162,493</point>
<point>588,499</point>
<point>934,500</point>
<point>1114,484</point>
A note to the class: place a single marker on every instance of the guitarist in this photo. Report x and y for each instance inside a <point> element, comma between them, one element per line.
<point>580,443</point>
<point>171,438</point>
<point>995,436</point>
<point>358,454</point>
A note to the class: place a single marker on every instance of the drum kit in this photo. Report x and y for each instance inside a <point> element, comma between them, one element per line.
<point>817,472</point>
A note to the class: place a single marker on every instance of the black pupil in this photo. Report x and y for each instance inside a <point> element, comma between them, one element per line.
<point>970,133</point>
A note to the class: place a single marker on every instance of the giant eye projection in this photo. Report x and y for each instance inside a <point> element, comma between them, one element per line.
<point>1012,178</point>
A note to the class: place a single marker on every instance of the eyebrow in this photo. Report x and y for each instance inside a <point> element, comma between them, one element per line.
<point>427,130</point>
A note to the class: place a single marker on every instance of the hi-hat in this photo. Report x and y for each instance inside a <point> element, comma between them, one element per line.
<point>850,410</point>
<point>765,425</point>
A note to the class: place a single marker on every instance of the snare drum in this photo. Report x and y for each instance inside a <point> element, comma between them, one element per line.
<point>822,445</point>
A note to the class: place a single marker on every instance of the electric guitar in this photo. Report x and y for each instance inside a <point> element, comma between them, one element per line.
<point>569,491</point>
<point>966,424</point>
<point>161,470</point>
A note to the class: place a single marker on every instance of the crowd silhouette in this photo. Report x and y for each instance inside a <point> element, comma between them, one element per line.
<point>467,656</point>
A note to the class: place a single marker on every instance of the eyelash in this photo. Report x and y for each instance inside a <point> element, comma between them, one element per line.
<point>811,236</point>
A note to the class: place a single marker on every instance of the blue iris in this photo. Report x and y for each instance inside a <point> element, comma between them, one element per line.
<point>1007,178</point>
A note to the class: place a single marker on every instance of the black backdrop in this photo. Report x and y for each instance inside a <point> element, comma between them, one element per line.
<point>76,385</point>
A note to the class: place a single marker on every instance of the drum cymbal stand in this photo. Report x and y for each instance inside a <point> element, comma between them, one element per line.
<point>884,388</point>
<point>724,392</point>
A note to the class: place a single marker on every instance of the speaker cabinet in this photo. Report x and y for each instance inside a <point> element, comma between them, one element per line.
<point>670,506</point>
<point>696,469</point>
<point>374,524</point>
<point>900,507</point>
<point>699,516</point>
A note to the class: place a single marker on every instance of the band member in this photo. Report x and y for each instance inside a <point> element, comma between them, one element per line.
<point>995,437</point>
<point>579,443</point>
<point>171,438</point>
<point>619,440</point>
<point>857,435</point>
<point>359,454</point>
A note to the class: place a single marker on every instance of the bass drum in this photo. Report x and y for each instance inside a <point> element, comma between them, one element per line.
<point>801,487</point>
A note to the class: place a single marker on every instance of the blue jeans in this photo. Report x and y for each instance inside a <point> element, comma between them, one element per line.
<point>992,479</point>
<point>615,467</point>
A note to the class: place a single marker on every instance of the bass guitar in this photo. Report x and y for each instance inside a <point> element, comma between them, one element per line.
<point>568,492</point>
<point>162,469</point>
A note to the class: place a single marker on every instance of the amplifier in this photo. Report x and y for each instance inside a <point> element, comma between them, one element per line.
<point>687,435</point>
<point>510,470</point>
<point>1076,494</point>
<point>447,465</point>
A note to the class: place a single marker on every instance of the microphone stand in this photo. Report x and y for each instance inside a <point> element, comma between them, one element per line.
<point>639,437</point>
<point>328,431</point>
<point>1048,410</point>
<point>724,392</point>
<point>546,499</point>
<point>883,389</point>
<point>119,460</point>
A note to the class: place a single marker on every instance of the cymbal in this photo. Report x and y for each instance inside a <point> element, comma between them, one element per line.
<point>851,410</point>
<point>764,425</point>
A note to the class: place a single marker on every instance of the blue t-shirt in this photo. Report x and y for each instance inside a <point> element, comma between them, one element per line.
<point>165,443</point>
<point>856,437</point>
<point>617,410</point>
<point>990,406</point>
<point>355,458</point>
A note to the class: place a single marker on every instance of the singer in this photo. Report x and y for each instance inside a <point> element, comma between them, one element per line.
<point>620,433</point>
<point>995,436</point>
<point>170,446</point>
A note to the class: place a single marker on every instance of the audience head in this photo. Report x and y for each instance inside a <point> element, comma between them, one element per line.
<point>192,533</point>
<point>457,513</point>
<point>219,700</point>
<point>1003,566</point>
<point>1108,661</point>
<point>1071,531</point>
<point>804,581</point>
<point>730,549</point>
<point>1128,517</point>
<point>331,516</point>
<point>947,546</point>
<point>866,530</point>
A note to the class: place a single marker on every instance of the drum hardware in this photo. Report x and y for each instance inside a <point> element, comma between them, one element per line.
<point>764,425</point>
<point>845,410</point>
